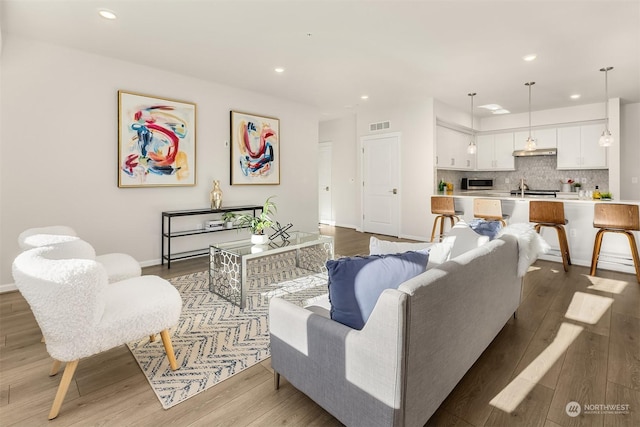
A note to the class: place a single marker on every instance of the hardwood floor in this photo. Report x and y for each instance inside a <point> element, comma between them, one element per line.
<point>576,338</point>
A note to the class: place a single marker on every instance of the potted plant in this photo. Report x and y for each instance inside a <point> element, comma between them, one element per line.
<point>577,186</point>
<point>605,195</point>
<point>258,224</point>
<point>228,218</point>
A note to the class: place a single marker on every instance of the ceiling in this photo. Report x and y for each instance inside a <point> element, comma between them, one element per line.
<point>396,52</point>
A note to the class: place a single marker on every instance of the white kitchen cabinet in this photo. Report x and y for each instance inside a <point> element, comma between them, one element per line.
<point>578,147</point>
<point>451,150</point>
<point>495,151</point>
<point>545,138</point>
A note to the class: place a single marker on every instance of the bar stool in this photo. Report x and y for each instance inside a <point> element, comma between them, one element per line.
<point>615,218</point>
<point>489,210</point>
<point>445,208</point>
<point>551,214</point>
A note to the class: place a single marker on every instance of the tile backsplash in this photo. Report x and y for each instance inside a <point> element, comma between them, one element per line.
<point>539,173</point>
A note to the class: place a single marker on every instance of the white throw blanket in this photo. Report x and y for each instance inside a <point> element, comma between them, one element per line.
<point>530,245</point>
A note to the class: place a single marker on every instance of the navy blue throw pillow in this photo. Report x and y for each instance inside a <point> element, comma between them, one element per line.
<point>356,283</point>
<point>486,228</point>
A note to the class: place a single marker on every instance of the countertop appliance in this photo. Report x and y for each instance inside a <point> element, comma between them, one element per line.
<point>477,184</point>
<point>537,193</point>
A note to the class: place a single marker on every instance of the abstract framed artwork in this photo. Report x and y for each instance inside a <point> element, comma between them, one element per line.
<point>156,141</point>
<point>255,149</point>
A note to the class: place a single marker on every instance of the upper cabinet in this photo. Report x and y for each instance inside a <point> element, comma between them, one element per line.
<point>545,138</point>
<point>451,150</point>
<point>578,147</point>
<point>495,151</point>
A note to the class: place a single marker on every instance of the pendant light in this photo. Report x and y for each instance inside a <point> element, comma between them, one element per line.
<point>606,139</point>
<point>530,144</point>
<point>472,147</point>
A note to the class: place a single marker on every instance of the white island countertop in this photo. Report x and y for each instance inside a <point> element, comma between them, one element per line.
<point>615,253</point>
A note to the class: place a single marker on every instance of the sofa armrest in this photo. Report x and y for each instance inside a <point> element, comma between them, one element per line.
<point>336,365</point>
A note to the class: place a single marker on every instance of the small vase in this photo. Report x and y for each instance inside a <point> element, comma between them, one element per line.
<point>259,239</point>
<point>216,195</point>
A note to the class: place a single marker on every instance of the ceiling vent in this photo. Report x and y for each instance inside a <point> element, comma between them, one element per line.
<point>379,126</point>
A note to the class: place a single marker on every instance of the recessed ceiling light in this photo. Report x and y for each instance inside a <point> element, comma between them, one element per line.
<point>491,107</point>
<point>364,97</point>
<point>530,57</point>
<point>107,14</point>
<point>500,111</point>
<point>575,96</point>
<point>279,70</point>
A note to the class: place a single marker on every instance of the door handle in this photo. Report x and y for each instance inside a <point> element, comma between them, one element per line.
<point>394,191</point>
<point>326,188</point>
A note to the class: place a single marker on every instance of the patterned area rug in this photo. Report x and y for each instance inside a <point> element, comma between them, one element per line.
<point>214,339</point>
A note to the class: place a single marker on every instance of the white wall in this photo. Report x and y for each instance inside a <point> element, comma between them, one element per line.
<point>630,151</point>
<point>344,174</point>
<point>59,154</point>
<point>417,127</point>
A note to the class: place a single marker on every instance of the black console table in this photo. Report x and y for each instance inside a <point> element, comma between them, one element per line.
<point>167,234</point>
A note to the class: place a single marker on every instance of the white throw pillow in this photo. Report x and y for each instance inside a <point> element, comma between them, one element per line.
<point>464,239</point>
<point>438,252</point>
<point>384,247</point>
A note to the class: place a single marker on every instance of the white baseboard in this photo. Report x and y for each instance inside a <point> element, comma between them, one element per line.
<point>412,237</point>
<point>150,263</point>
<point>354,227</point>
<point>602,263</point>
<point>9,287</point>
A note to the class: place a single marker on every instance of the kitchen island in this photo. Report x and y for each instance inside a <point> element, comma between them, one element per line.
<point>615,254</point>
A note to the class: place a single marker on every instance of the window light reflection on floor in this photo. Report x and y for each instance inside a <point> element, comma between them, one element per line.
<point>513,394</point>
<point>584,308</point>
<point>587,308</point>
<point>606,285</point>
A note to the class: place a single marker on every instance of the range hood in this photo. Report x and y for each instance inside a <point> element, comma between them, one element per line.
<point>537,152</point>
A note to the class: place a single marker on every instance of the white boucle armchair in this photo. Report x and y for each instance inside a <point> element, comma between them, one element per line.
<point>80,314</point>
<point>119,266</point>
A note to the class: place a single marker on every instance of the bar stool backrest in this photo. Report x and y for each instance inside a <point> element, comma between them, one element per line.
<point>544,212</point>
<point>490,209</point>
<point>616,216</point>
<point>442,205</point>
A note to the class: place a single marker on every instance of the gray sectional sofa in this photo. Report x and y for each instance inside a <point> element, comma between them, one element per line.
<point>417,344</point>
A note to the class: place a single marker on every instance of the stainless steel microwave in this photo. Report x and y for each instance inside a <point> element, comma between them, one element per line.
<point>477,184</point>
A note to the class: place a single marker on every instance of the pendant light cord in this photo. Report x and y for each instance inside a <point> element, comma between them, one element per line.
<point>529,84</point>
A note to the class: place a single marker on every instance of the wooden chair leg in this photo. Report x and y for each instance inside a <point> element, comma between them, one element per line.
<point>564,246</point>
<point>168,347</point>
<point>441,228</point>
<point>67,376</point>
<point>564,231</point>
<point>596,252</point>
<point>55,367</point>
<point>276,380</point>
<point>537,228</point>
<point>452,221</point>
<point>634,253</point>
<point>433,230</point>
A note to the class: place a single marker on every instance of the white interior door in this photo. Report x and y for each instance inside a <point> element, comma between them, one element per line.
<point>381,184</point>
<point>324,183</point>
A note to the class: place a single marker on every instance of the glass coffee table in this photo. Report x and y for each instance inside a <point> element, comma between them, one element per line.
<point>228,274</point>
